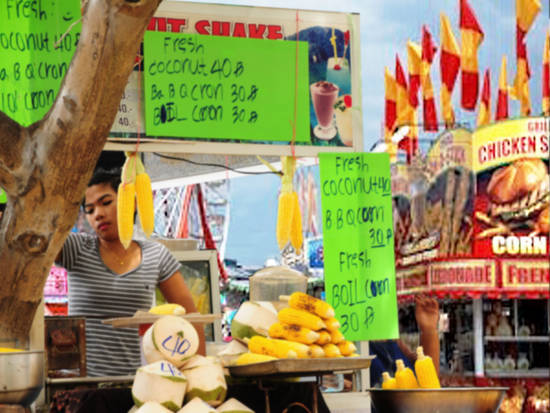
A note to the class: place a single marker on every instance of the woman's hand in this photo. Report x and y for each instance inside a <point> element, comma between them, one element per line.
<point>426,313</point>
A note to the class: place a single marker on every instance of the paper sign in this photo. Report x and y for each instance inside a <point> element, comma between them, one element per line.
<point>31,68</point>
<point>358,244</point>
<point>199,86</point>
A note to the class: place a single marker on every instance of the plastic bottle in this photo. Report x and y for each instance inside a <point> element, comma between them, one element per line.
<point>404,376</point>
<point>425,370</point>
<point>388,382</point>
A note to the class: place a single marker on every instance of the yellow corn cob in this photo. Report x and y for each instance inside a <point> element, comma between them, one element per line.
<point>332,323</point>
<point>316,351</point>
<point>144,195</point>
<point>336,337</point>
<point>302,350</point>
<point>302,301</point>
<point>270,347</point>
<point>301,318</point>
<point>331,350</point>
<point>404,376</point>
<point>425,370</point>
<point>125,212</point>
<point>9,350</point>
<point>251,358</point>
<point>324,337</point>
<point>347,348</point>
<point>388,382</point>
<point>296,235</point>
<point>293,332</point>
<point>284,217</point>
<point>169,308</point>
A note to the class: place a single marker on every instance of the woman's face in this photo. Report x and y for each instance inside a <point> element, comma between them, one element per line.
<point>100,209</point>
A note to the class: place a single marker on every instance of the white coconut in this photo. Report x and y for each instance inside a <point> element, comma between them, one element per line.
<point>253,319</point>
<point>151,407</point>
<point>231,352</point>
<point>205,380</point>
<point>133,409</point>
<point>197,406</point>
<point>170,338</point>
<point>234,406</point>
<point>160,382</point>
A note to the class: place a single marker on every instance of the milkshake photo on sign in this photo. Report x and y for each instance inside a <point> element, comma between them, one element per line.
<point>324,95</point>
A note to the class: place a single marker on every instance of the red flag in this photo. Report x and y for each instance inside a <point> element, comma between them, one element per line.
<point>502,100</point>
<point>390,114</point>
<point>449,64</point>
<point>428,52</point>
<point>484,114</point>
<point>472,36</point>
<point>414,64</point>
<point>402,96</point>
<point>546,76</point>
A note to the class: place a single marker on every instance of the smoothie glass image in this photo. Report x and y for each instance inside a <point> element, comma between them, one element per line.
<point>324,95</point>
<point>338,73</point>
<point>342,113</point>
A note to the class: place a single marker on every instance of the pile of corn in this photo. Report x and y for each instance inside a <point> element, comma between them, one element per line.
<point>306,329</point>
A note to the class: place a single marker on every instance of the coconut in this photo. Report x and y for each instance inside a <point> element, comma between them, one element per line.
<point>159,382</point>
<point>234,406</point>
<point>253,319</point>
<point>197,406</point>
<point>231,352</point>
<point>150,407</point>
<point>170,338</point>
<point>205,380</point>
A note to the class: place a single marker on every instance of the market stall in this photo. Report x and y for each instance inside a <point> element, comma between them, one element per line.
<point>480,244</point>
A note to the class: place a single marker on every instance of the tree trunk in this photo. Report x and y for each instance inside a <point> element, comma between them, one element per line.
<point>45,167</point>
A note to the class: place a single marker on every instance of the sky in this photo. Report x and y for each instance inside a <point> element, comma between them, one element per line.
<point>385,27</point>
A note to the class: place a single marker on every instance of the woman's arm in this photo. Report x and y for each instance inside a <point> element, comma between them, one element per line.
<point>175,291</point>
<point>427,318</point>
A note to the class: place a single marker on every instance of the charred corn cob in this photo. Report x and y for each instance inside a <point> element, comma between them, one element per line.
<point>271,347</point>
<point>293,332</point>
<point>316,351</point>
<point>126,201</point>
<point>301,318</point>
<point>331,350</point>
<point>336,337</point>
<point>144,195</point>
<point>302,301</point>
<point>324,337</point>
<point>296,235</point>
<point>250,358</point>
<point>347,348</point>
<point>332,323</point>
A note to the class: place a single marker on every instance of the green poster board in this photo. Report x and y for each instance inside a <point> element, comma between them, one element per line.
<point>199,86</point>
<point>31,68</point>
<point>358,243</point>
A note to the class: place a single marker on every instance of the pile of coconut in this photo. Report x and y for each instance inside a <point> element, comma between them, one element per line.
<point>176,379</point>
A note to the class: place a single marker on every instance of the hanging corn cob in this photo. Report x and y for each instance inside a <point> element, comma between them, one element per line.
<point>144,195</point>
<point>126,196</point>
<point>289,218</point>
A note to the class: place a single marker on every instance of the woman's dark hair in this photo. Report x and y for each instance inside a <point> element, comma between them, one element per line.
<point>106,176</point>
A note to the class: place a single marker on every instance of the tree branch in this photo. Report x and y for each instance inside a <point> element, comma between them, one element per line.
<point>11,143</point>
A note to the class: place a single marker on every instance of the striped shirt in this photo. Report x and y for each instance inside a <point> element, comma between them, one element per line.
<point>96,292</point>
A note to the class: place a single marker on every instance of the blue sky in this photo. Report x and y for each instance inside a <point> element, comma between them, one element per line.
<point>385,27</point>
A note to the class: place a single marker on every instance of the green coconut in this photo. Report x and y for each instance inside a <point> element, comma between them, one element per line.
<point>234,406</point>
<point>205,380</point>
<point>252,319</point>
<point>159,382</point>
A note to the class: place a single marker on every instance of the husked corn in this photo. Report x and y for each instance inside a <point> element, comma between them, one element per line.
<point>296,235</point>
<point>324,337</point>
<point>293,332</point>
<point>316,351</point>
<point>347,348</point>
<point>144,195</point>
<point>271,347</point>
<point>126,196</point>
<point>251,358</point>
<point>336,337</point>
<point>301,318</point>
<point>302,301</point>
<point>332,323</point>
<point>331,350</point>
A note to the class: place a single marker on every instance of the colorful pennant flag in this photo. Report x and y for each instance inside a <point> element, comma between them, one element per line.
<point>428,52</point>
<point>502,99</point>
<point>526,12</point>
<point>484,113</point>
<point>546,76</point>
<point>449,64</point>
<point>414,64</point>
<point>471,38</point>
<point>390,114</point>
<point>402,95</point>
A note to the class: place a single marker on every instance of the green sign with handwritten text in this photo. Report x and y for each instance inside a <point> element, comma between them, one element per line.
<point>358,243</point>
<point>34,54</point>
<point>199,86</point>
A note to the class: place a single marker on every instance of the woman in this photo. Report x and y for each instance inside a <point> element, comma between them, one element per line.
<point>106,280</point>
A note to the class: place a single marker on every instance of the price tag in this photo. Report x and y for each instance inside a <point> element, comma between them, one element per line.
<point>222,87</point>
<point>358,244</point>
<point>31,68</point>
<point>128,119</point>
